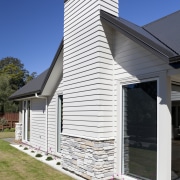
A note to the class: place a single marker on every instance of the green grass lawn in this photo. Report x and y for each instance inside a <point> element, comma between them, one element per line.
<point>16,165</point>
<point>7,135</point>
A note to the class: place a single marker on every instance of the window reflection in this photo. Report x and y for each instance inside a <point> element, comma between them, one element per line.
<point>176,140</point>
<point>140,130</point>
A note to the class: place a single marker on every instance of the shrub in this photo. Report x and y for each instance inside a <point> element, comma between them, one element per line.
<point>12,130</point>
<point>25,148</point>
<point>38,155</point>
<point>49,158</point>
<point>32,151</point>
<point>7,130</point>
<point>58,163</point>
<point>3,121</point>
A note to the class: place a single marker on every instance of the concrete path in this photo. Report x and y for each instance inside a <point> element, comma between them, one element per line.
<point>10,140</point>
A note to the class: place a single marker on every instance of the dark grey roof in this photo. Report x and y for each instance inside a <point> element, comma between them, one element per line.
<point>32,87</point>
<point>167,30</point>
<point>36,85</point>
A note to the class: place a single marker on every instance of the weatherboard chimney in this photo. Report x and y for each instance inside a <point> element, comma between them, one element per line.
<point>83,27</point>
<point>87,61</point>
<point>87,85</point>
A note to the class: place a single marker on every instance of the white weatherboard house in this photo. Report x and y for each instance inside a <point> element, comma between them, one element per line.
<point>104,105</point>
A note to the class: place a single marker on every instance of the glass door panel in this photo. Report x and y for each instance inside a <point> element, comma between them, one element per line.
<point>59,122</point>
<point>24,120</point>
<point>175,140</point>
<point>140,130</point>
<point>28,120</point>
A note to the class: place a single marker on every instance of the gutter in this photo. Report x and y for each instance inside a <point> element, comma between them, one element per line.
<point>46,126</point>
<point>175,61</point>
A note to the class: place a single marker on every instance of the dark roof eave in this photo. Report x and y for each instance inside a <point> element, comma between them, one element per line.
<point>134,35</point>
<point>175,62</point>
<point>22,96</point>
<point>65,1</point>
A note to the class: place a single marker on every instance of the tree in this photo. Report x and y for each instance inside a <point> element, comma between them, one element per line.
<point>13,76</point>
<point>13,68</point>
<point>5,92</point>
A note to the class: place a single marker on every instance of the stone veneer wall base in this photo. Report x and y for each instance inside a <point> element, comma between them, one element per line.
<point>90,159</point>
<point>18,131</point>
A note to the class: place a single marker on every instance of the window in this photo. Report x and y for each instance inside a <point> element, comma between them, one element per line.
<point>59,122</point>
<point>140,130</point>
<point>26,120</point>
<point>175,161</point>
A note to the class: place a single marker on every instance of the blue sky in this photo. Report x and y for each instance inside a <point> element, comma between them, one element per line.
<point>31,30</point>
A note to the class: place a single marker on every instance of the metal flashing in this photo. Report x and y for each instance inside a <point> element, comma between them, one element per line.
<point>175,62</point>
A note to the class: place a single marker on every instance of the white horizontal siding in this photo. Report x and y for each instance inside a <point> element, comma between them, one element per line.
<point>88,70</point>
<point>133,60</point>
<point>82,23</point>
<point>89,56</point>
<point>87,65</point>
<point>89,134</point>
<point>92,97</point>
<point>110,6</point>
<point>73,8</point>
<point>52,119</point>
<point>88,119</point>
<point>87,41</point>
<point>38,123</point>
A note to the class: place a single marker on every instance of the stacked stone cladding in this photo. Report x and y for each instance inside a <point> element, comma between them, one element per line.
<point>18,131</point>
<point>91,159</point>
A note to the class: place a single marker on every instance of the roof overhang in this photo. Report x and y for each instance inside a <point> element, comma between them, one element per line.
<point>25,96</point>
<point>174,62</point>
<point>161,51</point>
<point>45,80</point>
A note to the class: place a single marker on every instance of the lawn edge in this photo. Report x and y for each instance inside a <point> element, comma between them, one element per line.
<point>49,163</point>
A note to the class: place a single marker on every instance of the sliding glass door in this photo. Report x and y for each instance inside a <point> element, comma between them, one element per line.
<point>26,120</point>
<point>59,122</point>
<point>140,130</point>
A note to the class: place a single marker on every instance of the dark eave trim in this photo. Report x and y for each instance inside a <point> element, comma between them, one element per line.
<point>134,35</point>
<point>175,62</point>
<point>65,1</point>
<point>23,96</point>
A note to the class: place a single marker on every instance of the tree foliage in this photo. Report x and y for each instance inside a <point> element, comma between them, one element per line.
<point>13,68</point>
<point>13,76</point>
